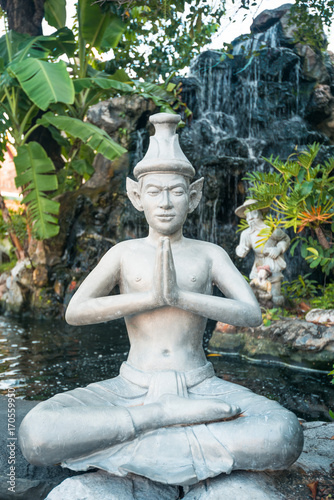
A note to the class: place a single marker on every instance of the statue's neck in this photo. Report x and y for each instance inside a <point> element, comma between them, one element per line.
<point>154,236</point>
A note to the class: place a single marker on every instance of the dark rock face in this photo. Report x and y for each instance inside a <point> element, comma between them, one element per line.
<point>268,18</point>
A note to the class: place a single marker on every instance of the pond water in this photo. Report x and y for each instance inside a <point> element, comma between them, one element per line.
<point>39,359</point>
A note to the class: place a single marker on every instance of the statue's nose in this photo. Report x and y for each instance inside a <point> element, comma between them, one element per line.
<point>165,201</point>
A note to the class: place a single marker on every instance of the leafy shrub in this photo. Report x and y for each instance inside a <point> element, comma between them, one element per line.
<point>326,300</point>
<point>300,288</point>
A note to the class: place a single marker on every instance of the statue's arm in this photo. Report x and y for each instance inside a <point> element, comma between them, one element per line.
<point>244,245</point>
<point>92,304</point>
<point>240,308</point>
<point>277,244</point>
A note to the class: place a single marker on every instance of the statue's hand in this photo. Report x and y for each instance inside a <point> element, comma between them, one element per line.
<point>170,288</point>
<point>273,252</point>
<point>158,279</point>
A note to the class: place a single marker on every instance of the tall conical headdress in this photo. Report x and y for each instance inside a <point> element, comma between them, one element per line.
<point>164,153</point>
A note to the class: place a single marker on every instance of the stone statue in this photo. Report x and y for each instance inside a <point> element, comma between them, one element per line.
<point>261,286</point>
<point>166,416</point>
<point>270,254</point>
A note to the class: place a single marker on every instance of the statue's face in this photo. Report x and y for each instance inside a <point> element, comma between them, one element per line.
<point>165,200</point>
<point>253,215</point>
<point>262,275</point>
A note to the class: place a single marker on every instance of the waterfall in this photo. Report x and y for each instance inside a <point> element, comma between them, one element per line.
<point>255,42</point>
<point>139,141</point>
<point>251,106</point>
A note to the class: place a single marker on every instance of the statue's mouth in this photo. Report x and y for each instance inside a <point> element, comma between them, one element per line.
<point>165,217</point>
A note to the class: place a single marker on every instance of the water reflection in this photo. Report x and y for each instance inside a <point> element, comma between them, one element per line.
<point>40,359</point>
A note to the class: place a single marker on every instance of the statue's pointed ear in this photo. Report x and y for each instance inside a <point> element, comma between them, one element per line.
<point>132,190</point>
<point>195,194</point>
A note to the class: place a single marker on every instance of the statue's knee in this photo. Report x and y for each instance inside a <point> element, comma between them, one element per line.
<point>33,438</point>
<point>288,439</point>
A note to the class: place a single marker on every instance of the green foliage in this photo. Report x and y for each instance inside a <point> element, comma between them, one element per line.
<point>242,225</point>
<point>300,288</point>
<point>331,413</point>
<point>299,192</point>
<point>95,138</point>
<point>173,34</point>
<point>326,299</point>
<point>5,267</point>
<point>270,315</point>
<point>316,255</point>
<point>307,17</point>
<point>44,83</point>
<point>17,225</point>
<point>55,12</point>
<point>35,175</point>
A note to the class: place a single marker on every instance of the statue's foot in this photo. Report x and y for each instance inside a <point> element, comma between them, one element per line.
<point>179,410</point>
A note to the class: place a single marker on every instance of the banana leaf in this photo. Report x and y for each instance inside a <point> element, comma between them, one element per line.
<point>60,42</point>
<point>98,140</point>
<point>97,28</point>
<point>102,83</point>
<point>10,44</point>
<point>112,34</point>
<point>36,176</point>
<point>43,82</point>
<point>55,13</point>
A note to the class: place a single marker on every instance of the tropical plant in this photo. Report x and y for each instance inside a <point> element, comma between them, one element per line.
<point>326,299</point>
<point>269,315</point>
<point>300,288</point>
<point>299,192</point>
<point>173,33</point>
<point>39,90</point>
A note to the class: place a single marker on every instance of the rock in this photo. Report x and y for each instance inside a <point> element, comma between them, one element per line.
<point>121,113</point>
<point>40,276</point>
<point>45,303</point>
<point>13,298</point>
<point>290,341</point>
<point>321,316</point>
<point>313,68</point>
<point>59,287</point>
<point>225,327</point>
<point>103,486</point>
<point>37,252</point>
<point>268,18</point>
<point>318,447</point>
<point>25,278</point>
<point>239,485</point>
<point>105,170</point>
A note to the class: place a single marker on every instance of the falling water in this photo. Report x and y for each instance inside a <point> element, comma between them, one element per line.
<point>139,141</point>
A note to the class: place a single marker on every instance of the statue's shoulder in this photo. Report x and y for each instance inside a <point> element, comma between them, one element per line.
<point>128,245</point>
<point>210,249</point>
<point>117,252</point>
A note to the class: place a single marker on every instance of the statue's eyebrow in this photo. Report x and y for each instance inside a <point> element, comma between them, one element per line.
<point>163,186</point>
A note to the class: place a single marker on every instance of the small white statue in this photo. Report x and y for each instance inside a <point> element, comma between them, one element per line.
<point>270,254</point>
<point>262,287</point>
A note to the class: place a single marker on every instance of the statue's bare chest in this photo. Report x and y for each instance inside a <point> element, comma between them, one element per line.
<point>193,273</point>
